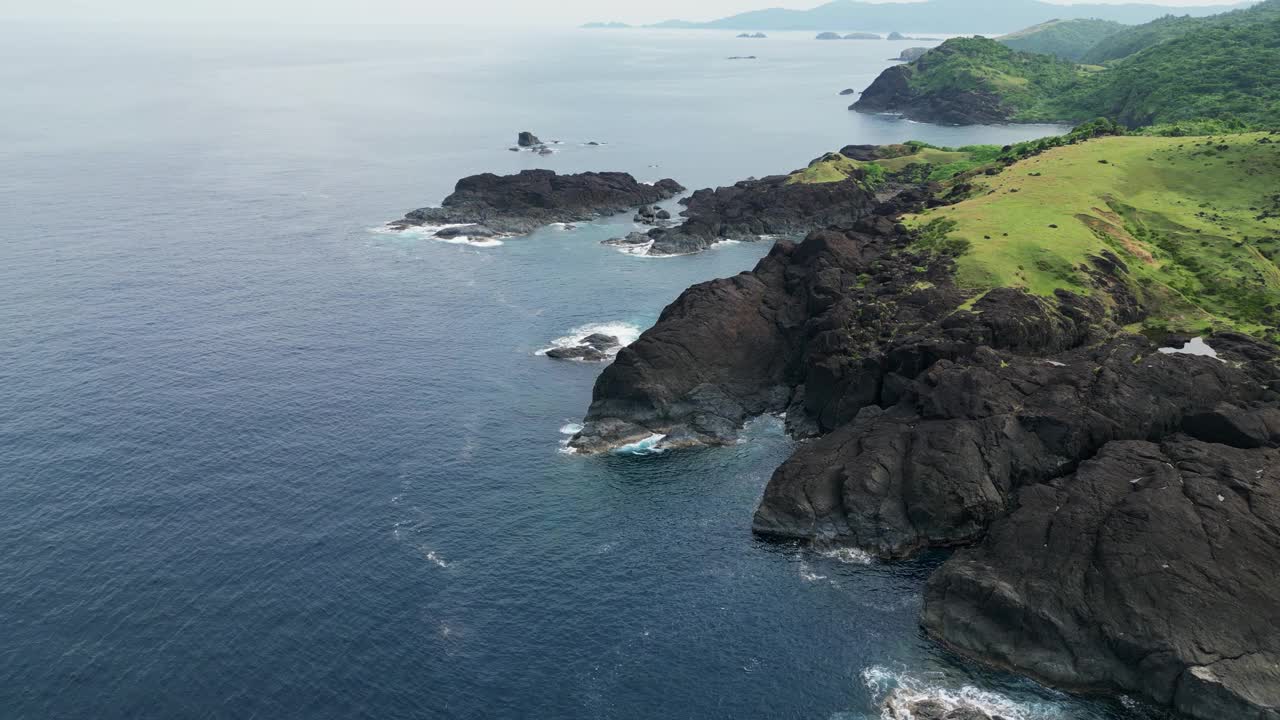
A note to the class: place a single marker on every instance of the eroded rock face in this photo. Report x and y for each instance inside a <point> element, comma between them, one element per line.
<point>521,203</point>
<point>1151,569</point>
<point>733,348</point>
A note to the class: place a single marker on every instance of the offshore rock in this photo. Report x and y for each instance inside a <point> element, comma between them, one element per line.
<point>521,203</point>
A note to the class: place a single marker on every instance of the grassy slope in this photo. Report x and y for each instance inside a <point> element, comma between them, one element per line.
<point>1065,39</point>
<point>1189,216</point>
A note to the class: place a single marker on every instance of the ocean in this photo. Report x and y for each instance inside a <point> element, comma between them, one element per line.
<point>261,458</point>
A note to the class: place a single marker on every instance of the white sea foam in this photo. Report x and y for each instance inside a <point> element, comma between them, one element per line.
<point>895,692</point>
<point>637,250</point>
<point>645,446</point>
<point>568,430</point>
<point>428,232</point>
<point>625,332</point>
<point>808,575</point>
<point>847,555</point>
<point>1194,346</point>
<point>434,557</point>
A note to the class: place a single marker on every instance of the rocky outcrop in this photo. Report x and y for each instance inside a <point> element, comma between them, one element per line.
<point>521,203</point>
<point>751,209</point>
<point>596,347</point>
<point>893,92</point>
<point>527,139</point>
<point>912,54</point>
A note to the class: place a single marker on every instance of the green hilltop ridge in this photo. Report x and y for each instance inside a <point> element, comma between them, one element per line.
<point>1228,71</point>
<point>1065,39</point>
<point>1129,41</point>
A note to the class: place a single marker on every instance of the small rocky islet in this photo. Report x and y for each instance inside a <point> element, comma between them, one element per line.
<point>489,205</point>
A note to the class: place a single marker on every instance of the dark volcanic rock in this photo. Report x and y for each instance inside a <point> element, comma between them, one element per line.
<point>1149,570</point>
<point>892,92</point>
<point>989,415</point>
<point>520,203</point>
<point>848,91</point>
<point>527,139</point>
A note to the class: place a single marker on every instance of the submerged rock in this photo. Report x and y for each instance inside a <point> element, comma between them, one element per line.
<point>476,231</point>
<point>596,347</point>
<point>520,203</point>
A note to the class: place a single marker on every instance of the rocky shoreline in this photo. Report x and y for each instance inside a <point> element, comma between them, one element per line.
<point>490,205</point>
<point>1118,505</point>
<point>756,208</point>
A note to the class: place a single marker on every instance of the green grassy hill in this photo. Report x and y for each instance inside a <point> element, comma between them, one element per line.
<point>1195,221</point>
<point>1064,39</point>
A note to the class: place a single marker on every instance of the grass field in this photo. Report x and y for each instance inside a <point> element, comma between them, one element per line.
<point>1196,220</point>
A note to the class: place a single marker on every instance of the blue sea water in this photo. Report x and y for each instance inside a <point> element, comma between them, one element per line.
<point>259,459</point>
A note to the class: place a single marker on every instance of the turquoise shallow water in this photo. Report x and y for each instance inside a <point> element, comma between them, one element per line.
<point>262,461</point>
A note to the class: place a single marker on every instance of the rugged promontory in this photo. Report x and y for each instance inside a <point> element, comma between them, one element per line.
<point>1027,393</point>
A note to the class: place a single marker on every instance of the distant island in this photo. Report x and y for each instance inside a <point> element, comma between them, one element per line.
<point>938,16</point>
<point>753,36</point>
<point>605,26</point>
<point>849,36</point>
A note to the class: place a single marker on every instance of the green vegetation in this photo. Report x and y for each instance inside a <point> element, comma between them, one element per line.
<point>1132,40</point>
<point>1066,39</point>
<point>1195,221</point>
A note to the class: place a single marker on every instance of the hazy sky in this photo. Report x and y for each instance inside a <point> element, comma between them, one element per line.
<point>506,12</point>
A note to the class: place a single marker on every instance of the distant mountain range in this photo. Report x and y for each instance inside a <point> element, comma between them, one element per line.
<point>939,16</point>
